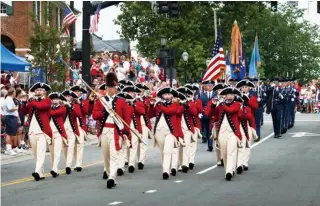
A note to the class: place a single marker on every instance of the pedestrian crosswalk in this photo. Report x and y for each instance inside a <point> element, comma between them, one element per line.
<point>300,117</point>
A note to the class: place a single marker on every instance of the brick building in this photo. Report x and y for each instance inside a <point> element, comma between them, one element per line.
<point>16,21</point>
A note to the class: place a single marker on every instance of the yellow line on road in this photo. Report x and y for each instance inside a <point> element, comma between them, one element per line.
<point>28,179</point>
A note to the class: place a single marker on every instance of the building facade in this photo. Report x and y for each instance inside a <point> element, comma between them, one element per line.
<point>16,21</point>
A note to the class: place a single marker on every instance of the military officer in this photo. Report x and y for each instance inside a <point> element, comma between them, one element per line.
<point>40,132</point>
<point>59,135</point>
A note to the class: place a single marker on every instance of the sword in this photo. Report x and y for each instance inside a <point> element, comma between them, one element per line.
<point>109,109</point>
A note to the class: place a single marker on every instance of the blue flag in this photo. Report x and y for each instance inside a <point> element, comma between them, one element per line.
<point>255,60</point>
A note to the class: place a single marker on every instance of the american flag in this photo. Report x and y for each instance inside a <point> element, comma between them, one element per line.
<point>95,21</point>
<point>216,63</point>
<point>69,18</point>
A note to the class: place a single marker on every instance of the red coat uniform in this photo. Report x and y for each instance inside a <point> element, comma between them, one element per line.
<point>189,115</point>
<point>244,115</point>
<point>210,112</point>
<point>253,103</point>
<point>86,109</point>
<point>232,111</point>
<point>169,110</point>
<point>179,114</point>
<point>73,113</point>
<point>58,116</point>
<point>100,114</point>
<point>146,101</point>
<point>136,110</point>
<point>196,119</point>
<point>41,109</point>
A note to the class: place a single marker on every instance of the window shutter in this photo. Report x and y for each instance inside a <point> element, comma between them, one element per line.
<point>10,9</point>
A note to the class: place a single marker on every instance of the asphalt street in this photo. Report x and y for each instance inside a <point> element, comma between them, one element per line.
<point>281,172</point>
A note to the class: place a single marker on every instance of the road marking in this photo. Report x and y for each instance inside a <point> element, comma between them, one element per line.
<point>178,181</point>
<point>115,203</point>
<point>150,191</point>
<point>254,145</point>
<point>28,179</point>
<point>311,120</point>
<point>304,134</point>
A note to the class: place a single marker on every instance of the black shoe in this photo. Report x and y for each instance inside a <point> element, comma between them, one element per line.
<point>285,130</point>
<point>105,175</point>
<point>185,169</point>
<point>245,168</point>
<point>261,123</point>
<point>191,166</point>
<point>126,163</point>
<point>228,176</point>
<point>120,172</point>
<point>78,169</point>
<point>131,169</point>
<point>277,136</point>
<point>220,164</point>
<point>68,170</point>
<point>36,176</point>
<point>173,172</point>
<point>110,184</point>
<point>257,140</point>
<point>210,149</point>
<point>140,166</point>
<point>54,174</point>
<point>165,175</point>
<point>282,131</point>
<point>204,141</point>
<point>239,170</point>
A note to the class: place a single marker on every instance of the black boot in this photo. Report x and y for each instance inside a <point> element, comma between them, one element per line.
<point>173,172</point>
<point>239,170</point>
<point>105,175</point>
<point>185,169</point>
<point>191,166</point>
<point>140,166</point>
<point>257,140</point>
<point>245,168</point>
<point>68,170</point>
<point>228,176</point>
<point>36,176</point>
<point>78,169</point>
<point>220,164</point>
<point>131,169</point>
<point>165,176</point>
<point>54,174</point>
<point>126,163</point>
<point>120,172</point>
<point>110,184</point>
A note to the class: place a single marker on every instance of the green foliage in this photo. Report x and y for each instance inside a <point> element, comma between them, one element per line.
<point>288,44</point>
<point>46,47</point>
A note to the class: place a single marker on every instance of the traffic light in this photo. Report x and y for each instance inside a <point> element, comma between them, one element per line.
<point>274,6</point>
<point>318,7</point>
<point>174,9</point>
<point>163,7</point>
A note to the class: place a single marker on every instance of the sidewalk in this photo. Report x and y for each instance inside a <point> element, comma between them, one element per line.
<point>27,155</point>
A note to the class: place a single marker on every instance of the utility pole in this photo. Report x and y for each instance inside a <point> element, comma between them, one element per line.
<point>72,35</point>
<point>215,24</point>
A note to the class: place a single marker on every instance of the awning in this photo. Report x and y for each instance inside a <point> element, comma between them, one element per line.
<point>12,62</point>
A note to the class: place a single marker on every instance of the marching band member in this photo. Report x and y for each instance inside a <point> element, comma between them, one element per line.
<point>214,124</point>
<point>71,126</point>
<point>165,126</point>
<point>136,109</point>
<point>40,132</point>
<point>146,126</point>
<point>86,107</point>
<point>245,86</point>
<point>59,135</point>
<point>111,130</point>
<point>187,124</point>
<point>196,123</point>
<point>229,134</point>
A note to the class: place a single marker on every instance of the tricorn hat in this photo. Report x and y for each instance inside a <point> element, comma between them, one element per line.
<point>208,82</point>
<point>184,90</point>
<point>219,86</point>
<point>102,87</point>
<point>181,96</point>
<point>238,99</point>
<point>111,80</point>
<point>57,95</point>
<point>142,86</point>
<point>131,89</point>
<point>40,85</point>
<point>78,88</point>
<point>244,82</point>
<point>167,90</point>
<point>230,90</point>
<point>124,95</point>
<point>126,82</point>
<point>69,93</point>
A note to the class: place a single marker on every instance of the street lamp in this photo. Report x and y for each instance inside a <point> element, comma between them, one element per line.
<point>163,41</point>
<point>185,57</point>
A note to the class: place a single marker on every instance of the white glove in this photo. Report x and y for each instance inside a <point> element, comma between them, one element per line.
<point>294,96</point>
<point>292,99</point>
<point>294,90</point>
<point>280,95</point>
<point>200,116</point>
<point>259,99</point>
<point>182,143</point>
